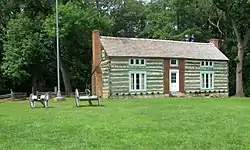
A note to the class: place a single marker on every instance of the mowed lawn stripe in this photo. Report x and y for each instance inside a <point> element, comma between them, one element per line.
<point>189,123</point>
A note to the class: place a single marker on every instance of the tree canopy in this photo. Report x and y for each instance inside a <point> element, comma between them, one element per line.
<point>28,35</point>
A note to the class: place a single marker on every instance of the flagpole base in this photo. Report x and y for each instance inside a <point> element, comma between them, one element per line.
<point>59,97</point>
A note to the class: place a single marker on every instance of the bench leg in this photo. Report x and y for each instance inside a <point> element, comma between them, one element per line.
<point>99,101</point>
<point>77,101</point>
<point>90,103</point>
<point>41,101</point>
<point>32,104</point>
<point>46,103</point>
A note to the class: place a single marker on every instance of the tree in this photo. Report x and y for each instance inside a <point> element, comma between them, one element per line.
<point>76,23</point>
<point>32,11</point>
<point>128,16</point>
<point>236,13</point>
<point>24,53</point>
<point>173,19</point>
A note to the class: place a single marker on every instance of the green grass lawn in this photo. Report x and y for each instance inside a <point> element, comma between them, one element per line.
<point>221,124</point>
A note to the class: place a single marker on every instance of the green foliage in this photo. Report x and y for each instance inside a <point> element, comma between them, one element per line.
<point>23,49</point>
<point>237,11</point>
<point>159,25</point>
<point>230,50</point>
<point>28,38</point>
<point>169,19</point>
<point>246,71</point>
<point>74,17</point>
<point>76,23</point>
<point>237,25</point>
<point>129,18</point>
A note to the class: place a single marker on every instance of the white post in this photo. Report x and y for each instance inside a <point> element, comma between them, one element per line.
<point>12,94</point>
<point>59,96</point>
<point>55,89</point>
<point>57,50</point>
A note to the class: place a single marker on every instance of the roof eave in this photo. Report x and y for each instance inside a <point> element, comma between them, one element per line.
<point>160,57</point>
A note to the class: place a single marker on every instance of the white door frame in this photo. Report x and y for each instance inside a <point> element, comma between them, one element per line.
<point>174,87</point>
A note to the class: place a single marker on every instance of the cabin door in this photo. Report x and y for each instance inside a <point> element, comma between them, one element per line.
<point>174,80</point>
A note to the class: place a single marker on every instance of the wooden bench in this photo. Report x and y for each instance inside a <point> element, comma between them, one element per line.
<point>86,97</point>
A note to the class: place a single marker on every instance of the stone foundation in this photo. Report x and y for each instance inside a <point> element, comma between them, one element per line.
<point>162,95</point>
<point>207,95</point>
<point>138,95</point>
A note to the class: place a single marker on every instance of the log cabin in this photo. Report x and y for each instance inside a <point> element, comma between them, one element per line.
<point>151,67</point>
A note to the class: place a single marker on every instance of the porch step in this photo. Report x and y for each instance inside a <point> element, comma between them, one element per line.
<point>176,94</point>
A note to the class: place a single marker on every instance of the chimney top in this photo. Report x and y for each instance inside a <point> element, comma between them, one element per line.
<point>96,30</point>
<point>215,41</point>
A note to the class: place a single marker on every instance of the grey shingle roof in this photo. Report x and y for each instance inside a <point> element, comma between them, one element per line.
<point>138,47</point>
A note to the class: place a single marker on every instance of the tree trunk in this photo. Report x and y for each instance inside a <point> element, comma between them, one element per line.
<point>34,84</point>
<point>242,44</point>
<point>239,72</point>
<point>64,71</point>
<point>66,77</point>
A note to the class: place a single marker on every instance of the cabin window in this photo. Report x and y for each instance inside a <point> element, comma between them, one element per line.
<point>131,61</point>
<point>173,62</point>
<point>173,77</point>
<point>137,62</point>
<point>207,64</point>
<point>207,80</point>
<point>142,61</point>
<point>137,81</point>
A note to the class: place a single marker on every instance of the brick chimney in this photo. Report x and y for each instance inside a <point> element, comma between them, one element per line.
<point>96,79</point>
<point>215,42</point>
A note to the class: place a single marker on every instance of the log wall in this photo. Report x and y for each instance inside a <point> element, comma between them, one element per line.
<point>119,75</point>
<point>115,79</point>
<point>193,78</point>
<point>105,66</point>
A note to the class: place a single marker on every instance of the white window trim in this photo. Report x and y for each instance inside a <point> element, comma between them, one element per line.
<point>145,81</point>
<point>135,61</point>
<point>103,55</point>
<point>207,72</point>
<point>174,65</point>
<point>207,65</point>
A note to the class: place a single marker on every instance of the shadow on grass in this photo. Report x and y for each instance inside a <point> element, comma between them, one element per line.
<point>39,107</point>
<point>10,100</point>
<point>91,106</point>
